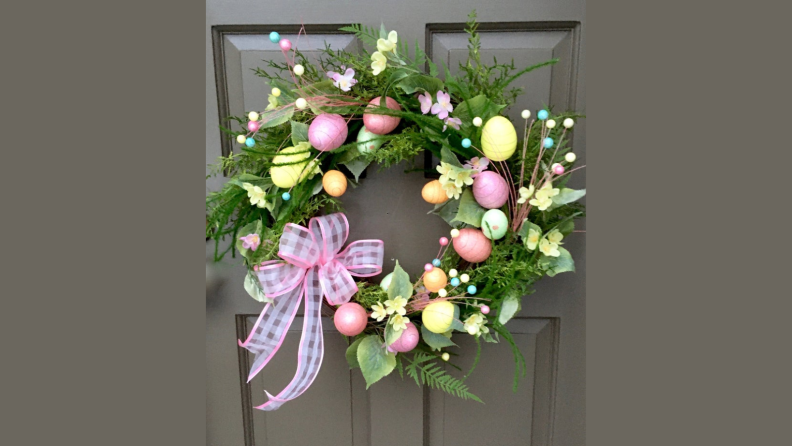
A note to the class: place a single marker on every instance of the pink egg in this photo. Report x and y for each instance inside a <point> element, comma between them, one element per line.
<point>472,245</point>
<point>381,124</point>
<point>407,341</point>
<point>350,319</point>
<point>327,132</point>
<point>490,190</point>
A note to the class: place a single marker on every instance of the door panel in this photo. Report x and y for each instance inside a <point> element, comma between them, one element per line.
<point>548,407</point>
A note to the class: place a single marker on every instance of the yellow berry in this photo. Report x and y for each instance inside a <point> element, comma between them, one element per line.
<point>253,116</point>
<point>276,92</point>
<point>241,139</point>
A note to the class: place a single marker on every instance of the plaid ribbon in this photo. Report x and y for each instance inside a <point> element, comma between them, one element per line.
<point>313,268</point>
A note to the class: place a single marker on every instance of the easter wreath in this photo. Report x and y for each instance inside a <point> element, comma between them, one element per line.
<point>507,205</point>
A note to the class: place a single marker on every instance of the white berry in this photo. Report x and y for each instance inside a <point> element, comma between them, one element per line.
<point>477,121</point>
<point>445,356</point>
<point>453,273</point>
<point>301,103</point>
<point>464,278</point>
<point>276,92</point>
<point>299,70</point>
<point>253,116</point>
<point>570,157</point>
<point>526,114</point>
<point>442,292</point>
<point>454,233</point>
<point>550,123</point>
<point>569,122</point>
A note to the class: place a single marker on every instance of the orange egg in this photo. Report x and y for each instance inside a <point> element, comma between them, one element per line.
<point>433,192</point>
<point>435,280</point>
<point>334,183</point>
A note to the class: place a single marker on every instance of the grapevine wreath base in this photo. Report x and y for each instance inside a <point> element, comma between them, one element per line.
<point>503,195</point>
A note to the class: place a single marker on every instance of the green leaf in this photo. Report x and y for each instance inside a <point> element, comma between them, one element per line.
<point>375,361</point>
<point>383,31</point>
<point>457,324</point>
<point>566,196</point>
<point>264,183</point>
<point>480,106</point>
<point>448,157</point>
<point>391,334</point>
<point>351,354</point>
<point>448,211</point>
<point>272,118</point>
<point>435,340</point>
<point>527,225</point>
<point>299,132</point>
<point>357,166</point>
<point>556,265</point>
<point>253,287</point>
<point>566,227</point>
<point>470,211</point>
<point>422,82</point>
<point>400,284</point>
<point>510,306</point>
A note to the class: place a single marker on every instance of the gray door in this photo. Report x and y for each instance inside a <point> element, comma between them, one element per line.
<point>548,407</point>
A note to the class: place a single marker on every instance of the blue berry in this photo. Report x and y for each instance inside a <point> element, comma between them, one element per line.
<point>548,142</point>
<point>436,262</point>
<point>542,114</point>
<point>250,142</point>
<point>472,289</point>
<point>274,37</point>
<point>455,281</point>
<point>466,143</point>
<point>286,196</point>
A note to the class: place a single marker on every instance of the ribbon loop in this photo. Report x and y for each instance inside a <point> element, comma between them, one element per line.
<point>313,268</point>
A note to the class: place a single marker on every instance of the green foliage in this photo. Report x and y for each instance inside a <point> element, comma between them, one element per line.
<point>434,340</point>
<point>519,360</point>
<point>351,354</point>
<point>555,265</point>
<point>470,211</point>
<point>509,307</point>
<point>400,285</point>
<point>369,294</point>
<point>375,361</point>
<point>391,334</point>
<point>435,376</point>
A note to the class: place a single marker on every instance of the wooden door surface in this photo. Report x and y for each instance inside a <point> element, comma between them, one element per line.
<point>549,405</point>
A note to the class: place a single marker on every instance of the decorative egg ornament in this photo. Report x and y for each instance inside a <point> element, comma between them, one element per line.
<point>289,175</point>
<point>381,124</point>
<point>327,132</point>
<point>494,224</point>
<point>407,341</point>
<point>435,280</point>
<point>334,183</point>
<point>490,190</point>
<point>438,316</point>
<point>434,193</point>
<point>370,146</point>
<point>350,319</point>
<point>472,245</point>
<point>498,139</point>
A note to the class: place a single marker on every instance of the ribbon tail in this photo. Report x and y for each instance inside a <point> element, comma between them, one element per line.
<point>311,353</point>
<point>268,335</point>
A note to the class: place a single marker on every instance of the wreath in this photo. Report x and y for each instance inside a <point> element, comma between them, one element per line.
<point>505,200</point>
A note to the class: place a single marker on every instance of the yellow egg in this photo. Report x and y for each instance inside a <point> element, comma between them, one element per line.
<point>435,280</point>
<point>433,192</point>
<point>334,183</point>
<point>438,316</point>
<point>498,139</point>
<point>287,176</point>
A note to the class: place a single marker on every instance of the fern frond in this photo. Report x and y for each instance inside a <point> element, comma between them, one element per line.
<point>434,376</point>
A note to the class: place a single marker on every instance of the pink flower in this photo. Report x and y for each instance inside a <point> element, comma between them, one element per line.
<point>426,102</point>
<point>453,122</point>
<point>345,81</point>
<point>477,164</point>
<point>251,241</point>
<point>443,106</point>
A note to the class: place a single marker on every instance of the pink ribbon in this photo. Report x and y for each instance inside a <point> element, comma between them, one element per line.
<point>313,268</point>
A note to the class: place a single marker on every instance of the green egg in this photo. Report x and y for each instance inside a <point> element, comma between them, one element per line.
<point>494,224</point>
<point>365,135</point>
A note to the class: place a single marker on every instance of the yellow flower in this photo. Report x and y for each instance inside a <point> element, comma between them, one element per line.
<point>378,62</point>
<point>399,322</point>
<point>384,46</point>
<point>444,169</point>
<point>379,312</point>
<point>396,305</point>
<point>555,236</point>
<point>525,194</point>
<point>475,324</point>
<point>452,190</point>
<point>256,194</point>
<point>533,239</point>
<point>463,177</point>
<point>549,249</point>
<point>543,198</point>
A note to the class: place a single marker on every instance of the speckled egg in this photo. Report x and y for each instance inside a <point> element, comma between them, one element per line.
<point>490,190</point>
<point>498,139</point>
<point>472,245</point>
<point>381,124</point>
<point>327,132</point>
<point>494,224</point>
<point>287,176</point>
<point>365,135</point>
<point>438,316</point>
<point>434,193</point>
<point>350,319</point>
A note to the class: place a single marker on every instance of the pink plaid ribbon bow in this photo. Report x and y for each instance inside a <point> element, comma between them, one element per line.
<point>313,268</point>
